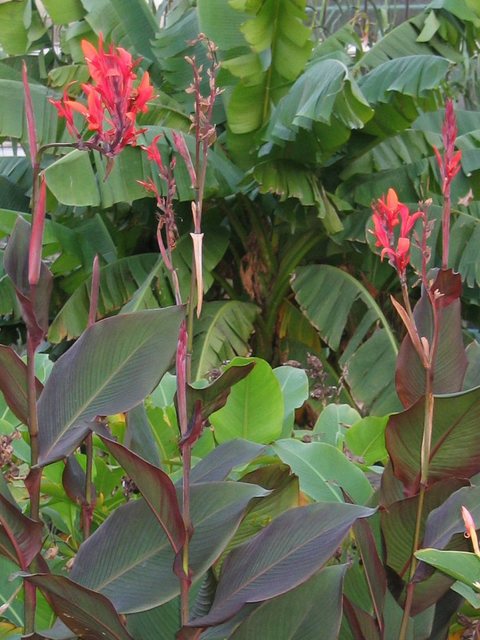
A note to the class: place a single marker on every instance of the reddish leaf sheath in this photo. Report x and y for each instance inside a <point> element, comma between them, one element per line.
<point>35,249</point>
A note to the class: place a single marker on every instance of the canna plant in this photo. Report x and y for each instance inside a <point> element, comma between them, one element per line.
<point>431,466</point>
<point>183,533</point>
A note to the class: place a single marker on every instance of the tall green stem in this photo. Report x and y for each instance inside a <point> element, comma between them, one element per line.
<point>424,459</point>
<point>87,508</point>
<point>186,464</point>
<point>30,595</point>
<point>32,421</point>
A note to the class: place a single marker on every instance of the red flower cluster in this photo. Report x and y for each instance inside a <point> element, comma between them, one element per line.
<point>165,204</point>
<point>112,100</point>
<point>450,162</point>
<point>387,214</point>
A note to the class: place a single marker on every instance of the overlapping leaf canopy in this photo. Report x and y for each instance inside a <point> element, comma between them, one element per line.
<point>324,124</point>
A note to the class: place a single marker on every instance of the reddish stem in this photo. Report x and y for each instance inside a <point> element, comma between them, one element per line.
<point>446,224</point>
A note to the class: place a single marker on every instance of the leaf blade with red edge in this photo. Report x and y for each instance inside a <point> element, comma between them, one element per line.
<point>157,489</point>
<point>455,447</point>
<point>445,521</point>
<point>301,612</point>
<point>13,382</point>
<point>374,569</point>
<point>282,556</point>
<point>85,612</point>
<point>450,363</point>
<point>129,558</point>
<point>399,521</point>
<point>24,534</point>
<point>214,395</point>
<point>110,369</point>
<point>16,258</point>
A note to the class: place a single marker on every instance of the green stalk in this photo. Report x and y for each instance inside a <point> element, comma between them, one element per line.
<point>87,507</point>
<point>32,422</point>
<point>429,360</point>
<point>427,431</point>
<point>30,592</point>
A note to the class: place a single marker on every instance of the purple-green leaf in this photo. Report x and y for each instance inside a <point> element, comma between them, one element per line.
<point>129,558</point>
<point>375,573</point>
<point>139,435</point>
<point>455,448</point>
<point>218,464</point>
<point>157,489</point>
<point>399,520</point>
<point>430,591</point>
<point>450,362</point>
<point>7,548</point>
<point>34,309</point>
<point>281,557</point>
<point>214,395</point>
<point>362,624</point>
<point>20,537</point>
<point>299,613</point>
<point>73,480</point>
<point>110,369</point>
<point>446,520</point>
<point>13,382</point>
<point>87,613</point>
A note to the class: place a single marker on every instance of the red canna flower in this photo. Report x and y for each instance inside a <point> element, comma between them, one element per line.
<point>450,162</point>
<point>113,101</point>
<point>449,165</point>
<point>389,213</point>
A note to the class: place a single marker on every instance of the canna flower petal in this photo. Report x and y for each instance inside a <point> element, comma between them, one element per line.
<point>144,93</point>
<point>392,199</point>
<point>76,106</point>
<point>181,147</point>
<point>470,529</point>
<point>153,154</point>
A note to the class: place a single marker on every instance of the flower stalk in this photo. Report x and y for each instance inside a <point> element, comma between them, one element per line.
<point>167,234</point>
<point>112,104</point>
<point>33,340</point>
<point>388,214</point>
<point>89,502</point>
